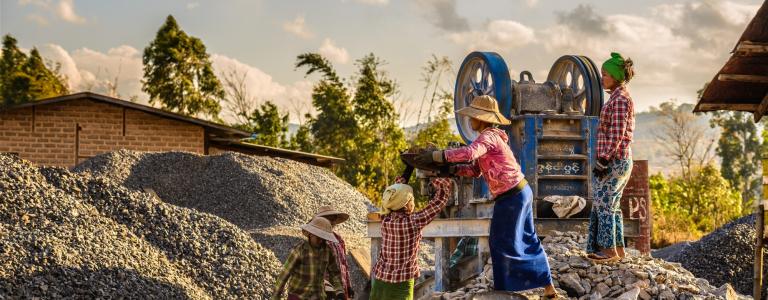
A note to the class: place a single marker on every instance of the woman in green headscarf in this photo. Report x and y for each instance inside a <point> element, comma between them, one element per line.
<point>614,162</point>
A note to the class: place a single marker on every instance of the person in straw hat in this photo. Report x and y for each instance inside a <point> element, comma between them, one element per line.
<point>339,248</point>
<point>396,267</point>
<point>309,263</point>
<point>519,261</point>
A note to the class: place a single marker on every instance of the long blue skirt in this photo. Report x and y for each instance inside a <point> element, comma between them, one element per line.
<point>519,261</point>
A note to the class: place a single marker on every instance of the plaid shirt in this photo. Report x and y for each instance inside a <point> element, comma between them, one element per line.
<point>304,270</point>
<point>401,234</point>
<point>617,122</point>
<point>340,250</point>
<point>466,247</point>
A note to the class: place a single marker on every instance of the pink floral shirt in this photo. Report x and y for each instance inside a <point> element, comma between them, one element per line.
<point>490,156</point>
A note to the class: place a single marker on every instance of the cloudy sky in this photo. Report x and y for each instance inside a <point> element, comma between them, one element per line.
<point>677,45</point>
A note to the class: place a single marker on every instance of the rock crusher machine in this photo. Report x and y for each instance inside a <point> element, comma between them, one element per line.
<point>553,136</point>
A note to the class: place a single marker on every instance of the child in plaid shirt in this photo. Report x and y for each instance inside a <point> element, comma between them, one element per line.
<point>309,263</point>
<point>396,267</point>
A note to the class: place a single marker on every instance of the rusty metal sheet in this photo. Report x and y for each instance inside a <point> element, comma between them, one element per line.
<point>636,203</point>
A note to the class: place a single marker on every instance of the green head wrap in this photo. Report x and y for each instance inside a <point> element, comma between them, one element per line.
<point>615,66</point>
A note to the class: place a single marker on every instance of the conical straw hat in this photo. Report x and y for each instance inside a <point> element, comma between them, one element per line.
<point>320,227</point>
<point>329,211</point>
<point>486,109</point>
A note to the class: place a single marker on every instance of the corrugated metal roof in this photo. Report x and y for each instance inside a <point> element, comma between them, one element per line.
<point>742,83</point>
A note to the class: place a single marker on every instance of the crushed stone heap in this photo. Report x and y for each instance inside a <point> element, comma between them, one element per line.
<point>69,235</point>
<point>635,277</point>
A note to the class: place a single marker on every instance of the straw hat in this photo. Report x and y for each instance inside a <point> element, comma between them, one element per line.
<point>320,227</point>
<point>327,211</point>
<point>486,109</point>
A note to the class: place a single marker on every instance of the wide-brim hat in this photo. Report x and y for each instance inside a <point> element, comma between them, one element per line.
<point>327,211</point>
<point>320,227</point>
<point>486,109</point>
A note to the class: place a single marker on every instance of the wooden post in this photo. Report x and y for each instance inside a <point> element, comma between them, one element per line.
<point>442,256</point>
<point>760,238</point>
<point>483,252</point>
<point>375,249</point>
<point>757,287</point>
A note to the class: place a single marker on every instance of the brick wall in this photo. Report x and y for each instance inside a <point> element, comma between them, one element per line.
<point>51,138</point>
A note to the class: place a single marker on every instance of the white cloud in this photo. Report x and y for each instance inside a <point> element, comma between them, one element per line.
<point>192,5</point>
<point>91,70</point>
<point>676,49</point>
<point>298,27</point>
<point>335,54</point>
<point>531,3</point>
<point>294,98</point>
<point>66,10</point>
<point>497,35</point>
<point>373,2</point>
<point>38,19</point>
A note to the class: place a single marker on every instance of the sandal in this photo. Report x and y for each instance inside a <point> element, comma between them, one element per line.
<point>601,258</point>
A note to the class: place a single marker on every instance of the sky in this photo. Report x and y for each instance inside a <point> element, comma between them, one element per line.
<point>676,46</point>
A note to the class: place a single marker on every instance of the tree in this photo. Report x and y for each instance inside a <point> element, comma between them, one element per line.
<point>437,132</point>
<point>687,208</point>
<point>239,101</point>
<point>270,128</point>
<point>431,75</point>
<point>739,149</point>
<point>683,138</point>
<point>27,78</point>
<point>178,73</point>
<point>334,128</point>
<point>380,138</point>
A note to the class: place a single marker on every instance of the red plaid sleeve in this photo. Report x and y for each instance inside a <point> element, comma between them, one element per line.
<point>616,126</point>
<point>442,188</point>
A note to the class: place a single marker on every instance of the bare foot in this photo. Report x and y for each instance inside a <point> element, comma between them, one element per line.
<point>550,292</point>
<point>620,251</point>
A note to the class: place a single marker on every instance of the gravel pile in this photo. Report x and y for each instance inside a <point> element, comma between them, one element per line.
<point>724,256</point>
<point>67,235</point>
<point>635,277</point>
<point>268,197</point>
<point>253,192</point>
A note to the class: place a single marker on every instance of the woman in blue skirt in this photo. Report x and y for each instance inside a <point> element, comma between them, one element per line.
<point>519,261</point>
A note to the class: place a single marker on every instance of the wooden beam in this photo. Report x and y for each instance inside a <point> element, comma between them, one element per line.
<point>444,228</point>
<point>442,256</point>
<point>749,48</point>
<point>743,78</point>
<point>758,113</point>
<point>727,106</point>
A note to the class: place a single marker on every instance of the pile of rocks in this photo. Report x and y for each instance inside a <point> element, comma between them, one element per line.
<point>635,277</point>
<point>268,197</point>
<point>724,256</point>
<point>69,235</point>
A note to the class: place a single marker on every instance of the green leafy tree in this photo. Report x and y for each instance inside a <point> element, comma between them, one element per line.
<point>687,208</point>
<point>178,73</point>
<point>439,131</point>
<point>302,140</point>
<point>334,128</point>
<point>27,78</point>
<point>739,148</point>
<point>380,138</point>
<point>268,125</point>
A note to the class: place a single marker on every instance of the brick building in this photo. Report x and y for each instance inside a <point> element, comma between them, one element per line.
<point>66,130</point>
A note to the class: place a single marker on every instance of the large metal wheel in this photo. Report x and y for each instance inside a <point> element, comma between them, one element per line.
<point>597,85</point>
<point>580,74</point>
<point>481,73</point>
